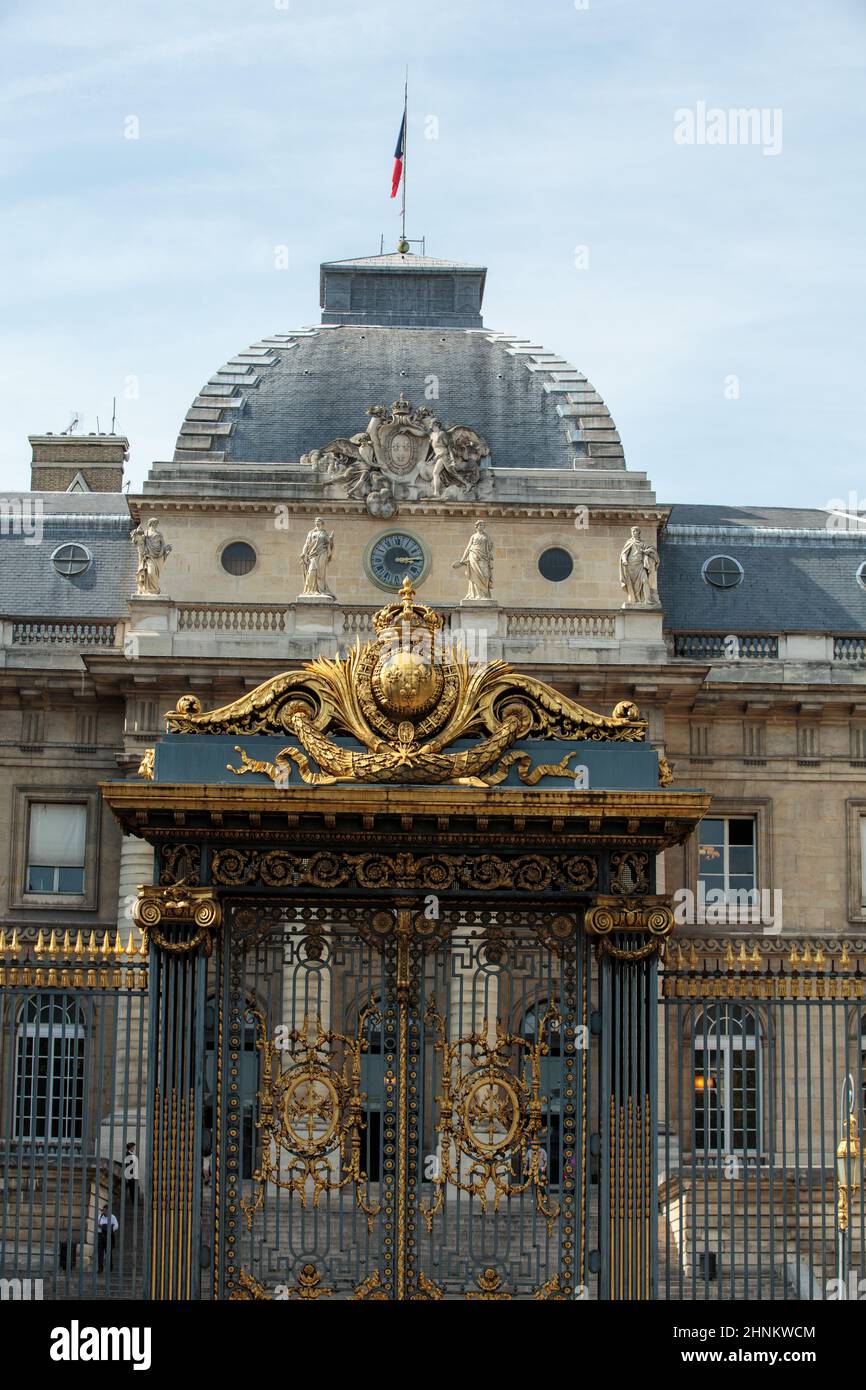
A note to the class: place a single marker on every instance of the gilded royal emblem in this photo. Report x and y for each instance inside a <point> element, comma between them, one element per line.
<point>311,1114</point>
<point>405,699</point>
<point>491,1116</point>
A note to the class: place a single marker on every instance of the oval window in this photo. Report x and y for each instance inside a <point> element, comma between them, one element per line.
<point>238,558</point>
<point>71,559</point>
<point>722,571</point>
<point>555,564</point>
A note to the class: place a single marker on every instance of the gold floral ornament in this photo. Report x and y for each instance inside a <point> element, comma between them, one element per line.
<point>491,1116</point>
<point>311,1114</point>
<point>405,697</point>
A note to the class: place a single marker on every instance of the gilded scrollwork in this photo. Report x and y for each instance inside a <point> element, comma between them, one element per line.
<point>371,1290</point>
<point>404,698</point>
<point>491,1116</point>
<point>311,1114</point>
<point>651,916</point>
<point>249,1289</point>
<point>180,863</point>
<point>490,1289</point>
<point>239,868</point>
<point>629,872</point>
<point>178,905</point>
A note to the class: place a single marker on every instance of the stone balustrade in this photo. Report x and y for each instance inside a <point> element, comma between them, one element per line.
<point>234,618</point>
<point>44,632</point>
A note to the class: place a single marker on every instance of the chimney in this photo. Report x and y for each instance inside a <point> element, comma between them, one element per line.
<point>78,462</point>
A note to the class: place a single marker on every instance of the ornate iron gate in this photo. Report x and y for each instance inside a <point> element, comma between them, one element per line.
<point>399,1102</point>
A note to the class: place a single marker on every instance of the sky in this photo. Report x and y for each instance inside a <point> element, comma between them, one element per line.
<point>154,156</point>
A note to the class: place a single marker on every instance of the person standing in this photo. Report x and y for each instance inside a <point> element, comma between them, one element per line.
<point>107,1227</point>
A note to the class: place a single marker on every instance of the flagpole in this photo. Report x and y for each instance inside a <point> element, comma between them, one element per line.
<point>405,149</point>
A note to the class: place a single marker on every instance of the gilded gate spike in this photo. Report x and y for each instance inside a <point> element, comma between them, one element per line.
<point>117,948</point>
<point>793,956</point>
<point>819,957</point>
<point>845,959</point>
<point>729,955</point>
<point>52,942</point>
<point>756,956</point>
<point>742,958</point>
<point>106,943</point>
<point>39,948</point>
<point>67,942</point>
<point>130,944</point>
<point>2,941</point>
<point>15,945</point>
<point>91,943</point>
<point>693,956</point>
<point>79,944</point>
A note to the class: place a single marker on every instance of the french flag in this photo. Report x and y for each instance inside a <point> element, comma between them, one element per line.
<point>399,156</point>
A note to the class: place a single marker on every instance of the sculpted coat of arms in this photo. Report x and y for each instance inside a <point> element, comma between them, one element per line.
<point>406,454</point>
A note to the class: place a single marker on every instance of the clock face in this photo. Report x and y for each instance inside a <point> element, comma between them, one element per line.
<point>394,556</point>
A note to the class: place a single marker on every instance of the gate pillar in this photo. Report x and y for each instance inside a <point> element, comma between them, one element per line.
<point>180,924</point>
<point>629,935</point>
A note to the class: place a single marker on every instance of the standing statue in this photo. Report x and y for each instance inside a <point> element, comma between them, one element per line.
<point>317,551</point>
<point>638,570</point>
<point>152,552</point>
<point>477,559</point>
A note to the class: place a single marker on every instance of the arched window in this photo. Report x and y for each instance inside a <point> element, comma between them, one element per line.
<point>49,1070</point>
<point>726,1049</point>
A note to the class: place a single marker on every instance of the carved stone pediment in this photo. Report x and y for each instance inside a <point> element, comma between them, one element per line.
<point>403,699</point>
<point>404,454</point>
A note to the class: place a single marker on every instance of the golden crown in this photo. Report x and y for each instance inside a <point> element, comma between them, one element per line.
<point>391,621</point>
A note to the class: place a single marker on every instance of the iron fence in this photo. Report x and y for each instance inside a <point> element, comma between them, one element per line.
<point>73,1160</point>
<point>761,1090</point>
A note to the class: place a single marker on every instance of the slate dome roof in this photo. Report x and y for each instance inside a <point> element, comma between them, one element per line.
<point>392,324</point>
